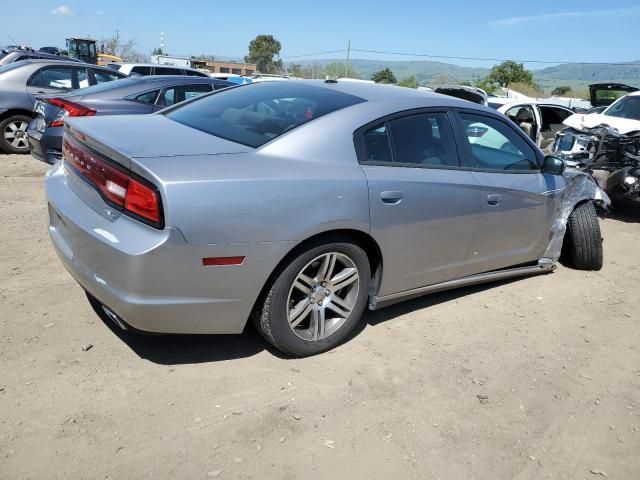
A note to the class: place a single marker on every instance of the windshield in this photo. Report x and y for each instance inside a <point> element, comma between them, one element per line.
<point>626,107</point>
<point>254,114</point>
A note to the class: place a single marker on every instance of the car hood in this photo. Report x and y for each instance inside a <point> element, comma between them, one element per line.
<point>582,122</point>
<point>150,136</point>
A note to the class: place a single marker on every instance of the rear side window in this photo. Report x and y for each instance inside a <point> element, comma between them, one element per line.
<point>147,97</point>
<point>83,77</point>
<point>144,71</point>
<point>424,139</point>
<point>53,77</point>
<point>496,146</point>
<point>254,114</point>
<point>167,71</point>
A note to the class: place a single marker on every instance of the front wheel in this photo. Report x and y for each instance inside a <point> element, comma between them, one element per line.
<point>13,134</point>
<point>584,238</point>
<point>317,300</point>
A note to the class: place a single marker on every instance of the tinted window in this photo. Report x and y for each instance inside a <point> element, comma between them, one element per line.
<point>167,71</point>
<point>103,76</point>
<point>148,97</point>
<point>52,77</point>
<point>224,70</point>
<point>181,93</point>
<point>236,71</point>
<point>194,73</point>
<point>141,71</point>
<point>255,114</point>
<point>496,146</point>
<point>376,144</point>
<point>83,77</point>
<point>424,139</point>
<point>553,115</point>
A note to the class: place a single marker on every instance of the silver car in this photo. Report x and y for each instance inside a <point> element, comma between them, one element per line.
<point>301,203</point>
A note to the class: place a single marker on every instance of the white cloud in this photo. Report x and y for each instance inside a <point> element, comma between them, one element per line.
<point>513,21</point>
<point>63,11</point>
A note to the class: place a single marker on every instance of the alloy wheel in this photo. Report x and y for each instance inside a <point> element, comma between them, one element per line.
<point>322,297</point>
<point>15,134</point>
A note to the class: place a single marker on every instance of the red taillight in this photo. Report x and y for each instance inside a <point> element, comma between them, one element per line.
<point>115,185</point>
<point>72,109</point>
<point>142,201</point>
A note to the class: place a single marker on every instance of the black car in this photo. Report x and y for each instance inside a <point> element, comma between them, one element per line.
<point>129,96</point>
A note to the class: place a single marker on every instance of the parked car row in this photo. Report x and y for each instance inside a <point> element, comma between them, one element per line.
<point>45,91</point>
<point>129,96</point>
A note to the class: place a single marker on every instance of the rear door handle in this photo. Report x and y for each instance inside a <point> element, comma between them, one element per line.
<point>392,197</point>
<point>494,199</point>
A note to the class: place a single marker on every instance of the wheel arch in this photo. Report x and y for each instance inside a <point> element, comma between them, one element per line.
<point>15,111</point>
<point>360,238</point>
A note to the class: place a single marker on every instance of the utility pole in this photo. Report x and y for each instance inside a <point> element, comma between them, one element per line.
<point>346,65</point>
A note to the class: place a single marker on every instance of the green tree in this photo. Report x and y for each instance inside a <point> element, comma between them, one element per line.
<point>339,70</point>
<point>560,91</point>
<point>510,72</point>
<point>486,85</point>
<point>158,51</point>
<point>262,49</point>
<point>384,76</point>
<point>410,82</point>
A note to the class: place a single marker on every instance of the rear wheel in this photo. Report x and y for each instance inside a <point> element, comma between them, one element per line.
<point>13,134</point>
<point>317,300</point>
<point>584,238</point>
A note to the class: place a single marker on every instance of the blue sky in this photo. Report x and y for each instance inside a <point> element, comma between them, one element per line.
<point>583,30</point>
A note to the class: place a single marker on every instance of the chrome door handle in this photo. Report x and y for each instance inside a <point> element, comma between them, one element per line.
<point>392,197</point>
<point>494,199</point>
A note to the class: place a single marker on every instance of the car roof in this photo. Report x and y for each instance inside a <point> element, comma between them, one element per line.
<point>377,92</point>
<point>43,61</point>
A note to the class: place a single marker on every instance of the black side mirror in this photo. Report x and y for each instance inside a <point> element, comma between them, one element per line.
<point>553,165</point>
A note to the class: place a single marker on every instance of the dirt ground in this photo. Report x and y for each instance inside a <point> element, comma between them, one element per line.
<point>527,379</point>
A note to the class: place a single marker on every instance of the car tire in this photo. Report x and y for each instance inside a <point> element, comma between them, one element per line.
<point>298,314</point>
<point>584,237</point>
<point>15,125</point>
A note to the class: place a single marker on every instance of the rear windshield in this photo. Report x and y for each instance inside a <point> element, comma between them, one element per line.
<point>254,114</point>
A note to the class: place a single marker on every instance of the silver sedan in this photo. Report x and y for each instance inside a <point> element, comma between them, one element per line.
<point>300,204</point>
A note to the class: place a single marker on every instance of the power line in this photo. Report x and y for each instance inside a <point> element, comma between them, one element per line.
<point>314,54</point>
<point>453,57</point>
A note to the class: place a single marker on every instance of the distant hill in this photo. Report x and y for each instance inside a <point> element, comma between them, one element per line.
<point>575,75</point>
<point>425,71</point>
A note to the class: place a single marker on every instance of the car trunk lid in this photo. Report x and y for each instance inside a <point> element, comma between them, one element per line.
<point>604,94</point>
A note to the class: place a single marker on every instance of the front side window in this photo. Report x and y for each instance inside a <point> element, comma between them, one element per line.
<point>496,146</point>
<point>103,76</point>
<point>181,93</point>
<point>254,114</point>
<point>53,77</point>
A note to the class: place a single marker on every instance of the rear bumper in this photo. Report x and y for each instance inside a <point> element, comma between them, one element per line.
<point>47,146</point>
<point>153,279</point>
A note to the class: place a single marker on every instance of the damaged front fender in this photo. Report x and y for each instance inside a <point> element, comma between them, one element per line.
<point>580,187</point>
